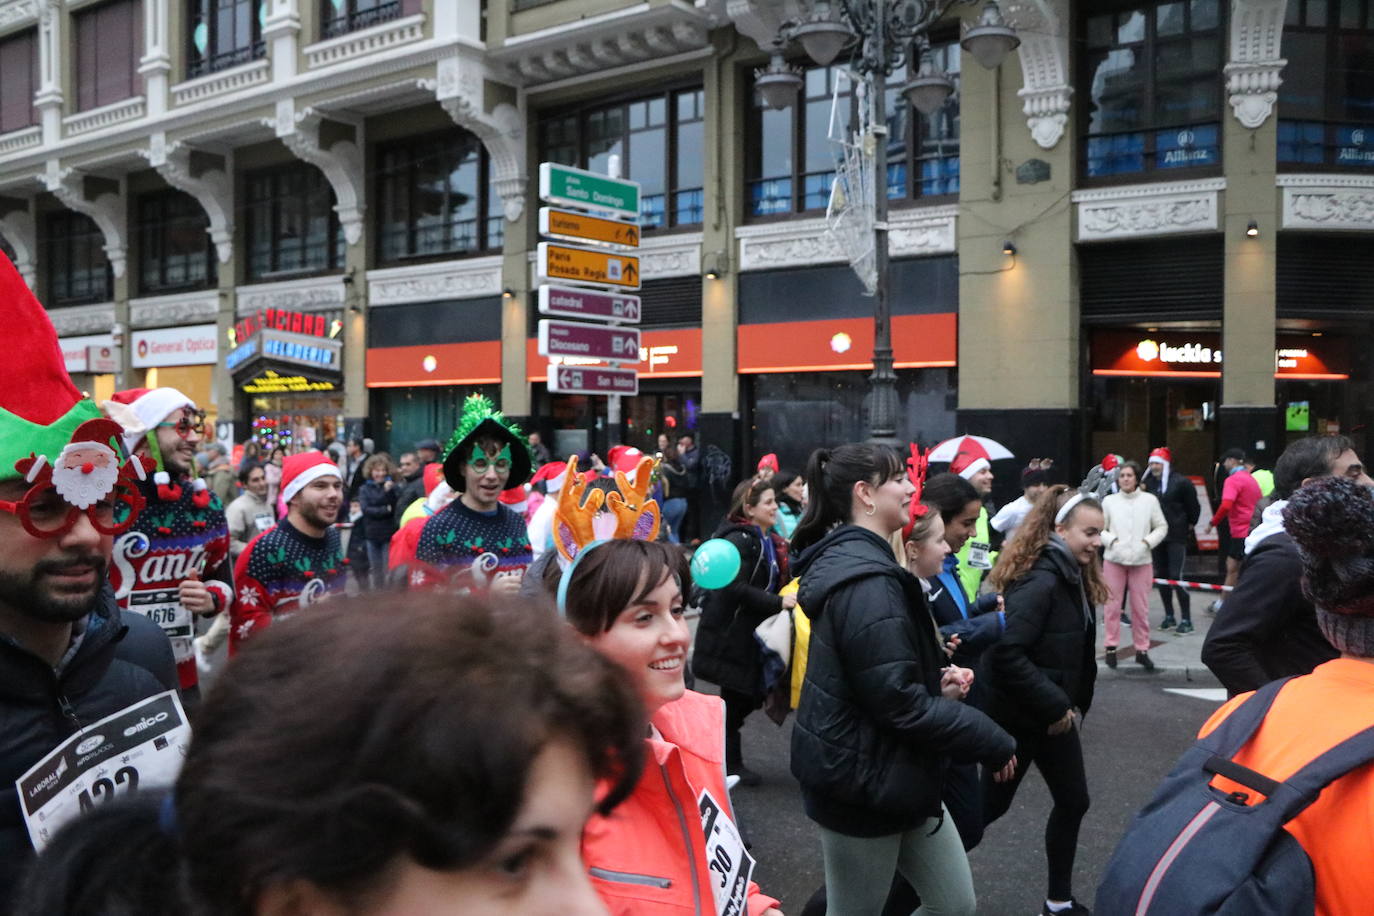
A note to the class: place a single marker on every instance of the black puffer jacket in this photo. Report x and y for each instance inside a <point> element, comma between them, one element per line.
<point>1178,502</point>
<point>725,651</point>
<point>122,659</point>
<point>873,736</point>
<point>1043,665</point>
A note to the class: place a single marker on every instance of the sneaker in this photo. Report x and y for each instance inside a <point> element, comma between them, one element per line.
<point>1185,626</point>
<point>1167,623</point>
<point>1214,608</point>
<point>1073,909</point>
<point>1143,660</point>
<point>748,778</point>
<point>1125,619</point>
<point>1111,657</point>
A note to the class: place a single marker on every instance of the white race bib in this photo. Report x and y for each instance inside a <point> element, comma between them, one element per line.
<point>978,552</point>
<point>263,522</point>
<point>729,864</point>
<point>139,747</point>
<point>165,609</point>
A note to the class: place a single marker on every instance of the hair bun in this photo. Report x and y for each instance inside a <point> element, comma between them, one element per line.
<point>1331,517</point>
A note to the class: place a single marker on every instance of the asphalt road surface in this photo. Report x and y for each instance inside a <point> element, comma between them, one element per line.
<point>1136,730</point>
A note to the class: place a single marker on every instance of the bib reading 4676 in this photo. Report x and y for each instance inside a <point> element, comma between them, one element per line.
<point>139,747</point>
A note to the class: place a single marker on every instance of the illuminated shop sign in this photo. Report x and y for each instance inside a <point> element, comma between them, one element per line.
<point>241,354</point>
<point>273,382</point>
<point>1199,355</point>
<point>282,320</point>
<point>297,348</point>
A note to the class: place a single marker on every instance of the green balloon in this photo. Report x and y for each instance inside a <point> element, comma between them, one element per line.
<point>715,563</point>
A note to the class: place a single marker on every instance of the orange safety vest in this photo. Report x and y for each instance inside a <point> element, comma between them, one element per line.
<point>648,855</point>
<point>1311,715</point>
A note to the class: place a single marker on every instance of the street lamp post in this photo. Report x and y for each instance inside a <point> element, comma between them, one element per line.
<point>888,33</point>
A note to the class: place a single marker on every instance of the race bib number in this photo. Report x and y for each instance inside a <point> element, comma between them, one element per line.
<point>164,608</point>
<point>729,863</point>
<point>139,747</point>
<point>979,555</point>
<point>263,522</point>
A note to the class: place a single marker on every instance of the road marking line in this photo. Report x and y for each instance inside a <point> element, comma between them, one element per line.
<point>1210,694</point>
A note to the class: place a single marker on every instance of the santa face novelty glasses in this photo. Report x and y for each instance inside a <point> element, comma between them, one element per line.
<point>45,514</point>
<point>191,422</point>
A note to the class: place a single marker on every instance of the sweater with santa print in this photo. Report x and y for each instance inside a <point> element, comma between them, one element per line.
<point>180,532</point>
<point>465,549</point>
<point>283,570</point>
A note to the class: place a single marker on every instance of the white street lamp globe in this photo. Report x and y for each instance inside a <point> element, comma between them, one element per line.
<point>777,84</point>
<point>823,39</point>
<point>927,91</point>
<point>991,40</point>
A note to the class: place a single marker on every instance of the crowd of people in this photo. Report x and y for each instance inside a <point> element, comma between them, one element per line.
<point>464,681</point>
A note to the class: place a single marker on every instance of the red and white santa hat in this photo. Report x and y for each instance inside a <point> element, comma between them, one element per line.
<point>624,458</point>
<point>150,406</point>
<point>554,474</point>
<point>297,471</point>
<point>1162,455</point>
<point>769,463</point>
<point>971,459</point>
<point>516,499</point>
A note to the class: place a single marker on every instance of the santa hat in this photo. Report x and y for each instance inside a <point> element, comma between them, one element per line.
<point>769,462</point>
<point>147,407</point>
<point>433,474</point>
<point>516,499</point>
<point>297,471</point>
<point>1163,456</point>
<point>1110,462</point>
<point>40,408</point>
<point>624,458</point>
<point>553,474</point>
<point>971,459</point>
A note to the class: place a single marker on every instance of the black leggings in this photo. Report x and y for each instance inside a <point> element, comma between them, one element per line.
<point>1169,559</point>
<point>1059,758</point>
<point>738,706</point>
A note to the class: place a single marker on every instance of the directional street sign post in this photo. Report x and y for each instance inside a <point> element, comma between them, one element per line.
<point>589,280</point>
<point>567,302</point>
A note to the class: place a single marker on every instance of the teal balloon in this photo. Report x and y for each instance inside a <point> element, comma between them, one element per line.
<point>715,563</point>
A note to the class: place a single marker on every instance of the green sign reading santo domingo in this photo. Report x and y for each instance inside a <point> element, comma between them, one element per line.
<point>562,184</point>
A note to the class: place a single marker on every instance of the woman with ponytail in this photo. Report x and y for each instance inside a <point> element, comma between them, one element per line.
<point>880,716</point>
<point>1039,676</point>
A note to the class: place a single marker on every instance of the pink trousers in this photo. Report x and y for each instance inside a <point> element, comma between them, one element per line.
<point>1136,580</point>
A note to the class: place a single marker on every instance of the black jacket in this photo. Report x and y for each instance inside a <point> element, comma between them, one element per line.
<point>123,658</point>
<point>1043,665</point>
<point>1266,628</point>
<point>873,736</point>
<point>379,508</point>
<point>1179,504</point>
<point>407,493</point>
<point>725,651</point>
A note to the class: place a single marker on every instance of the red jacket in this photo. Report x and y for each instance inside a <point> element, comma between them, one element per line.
<point>649,855</point>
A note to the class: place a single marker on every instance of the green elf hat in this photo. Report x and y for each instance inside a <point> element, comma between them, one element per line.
<point>40,408</point>
<point>481,420</point>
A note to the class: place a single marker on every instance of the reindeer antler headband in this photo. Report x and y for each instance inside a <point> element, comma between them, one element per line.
<point>916,467</point>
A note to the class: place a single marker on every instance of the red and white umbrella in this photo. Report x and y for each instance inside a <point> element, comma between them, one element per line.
<point>969,446</point>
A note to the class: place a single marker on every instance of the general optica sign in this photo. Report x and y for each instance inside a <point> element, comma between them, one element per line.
<point>190,346</point>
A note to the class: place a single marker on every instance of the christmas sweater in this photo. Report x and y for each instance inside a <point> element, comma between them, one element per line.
<point>283,570</point>
<point>464,549</point>
<point>181,531</point>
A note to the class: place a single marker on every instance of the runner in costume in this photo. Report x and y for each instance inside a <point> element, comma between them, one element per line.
<point>475,542</point>
<point>174,562</point>
<point>299,561</point>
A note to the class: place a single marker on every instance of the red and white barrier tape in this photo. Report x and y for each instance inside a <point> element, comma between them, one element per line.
<point>1200,586</point>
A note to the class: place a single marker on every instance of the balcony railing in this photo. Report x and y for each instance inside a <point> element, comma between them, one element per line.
<point>345,22</point>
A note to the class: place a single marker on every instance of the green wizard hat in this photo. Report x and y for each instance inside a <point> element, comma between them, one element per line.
<point>481,420</point>
<point>40,408</point>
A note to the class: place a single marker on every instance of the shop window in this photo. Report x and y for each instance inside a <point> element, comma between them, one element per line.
<point>292,227</point>
<point>78,270</point>
<point>175,251</point>
<point>436,198</point>
<point>18,81</point>
<point>1152,76</point>
<point>660,140</point>
<point>339,17</point>
<point>1326,102</point>
<point>222,34</point>
<point>791,156</point>
<point>107,53</point>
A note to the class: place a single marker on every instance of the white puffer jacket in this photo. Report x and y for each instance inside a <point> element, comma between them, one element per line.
<point>1135,526</point>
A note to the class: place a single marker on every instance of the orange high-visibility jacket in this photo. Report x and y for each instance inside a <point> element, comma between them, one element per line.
<point>1311,715</point>
<point>648,856</point>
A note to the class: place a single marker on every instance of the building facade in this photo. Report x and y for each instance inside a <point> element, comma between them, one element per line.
<point>319,217</point>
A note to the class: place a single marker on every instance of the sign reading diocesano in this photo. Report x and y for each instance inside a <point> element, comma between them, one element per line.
<point>584,265</point>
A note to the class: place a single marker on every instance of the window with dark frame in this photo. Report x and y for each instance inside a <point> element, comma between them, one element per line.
<point>174,247</point>
<point>1151,77</point>
<point>18,80</point>
<point>222,34</point>
<point>339,17</point>
<point>78,270</point>
<point>791,158</point>
<point>108,43</point>
<point>291,224</point>
<point>8,251</point>
<point>435,198</point>
<point>661,143</point>
<point>1326,101</point>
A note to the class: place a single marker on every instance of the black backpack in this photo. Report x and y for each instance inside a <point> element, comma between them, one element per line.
<point>1194,849</point>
